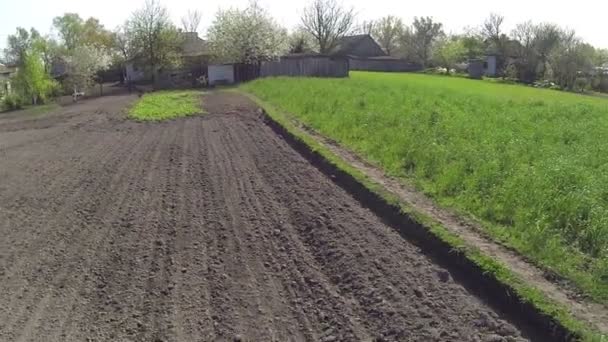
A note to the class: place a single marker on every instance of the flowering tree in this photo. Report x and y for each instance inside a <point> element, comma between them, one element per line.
<point>83,63</point>
<point>246,36</point>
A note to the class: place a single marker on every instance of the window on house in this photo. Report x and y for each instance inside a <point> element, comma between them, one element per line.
<point>485,65</point>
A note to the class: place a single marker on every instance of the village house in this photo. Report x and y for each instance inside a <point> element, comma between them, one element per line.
<point>195,57</point>
<point>362,45</point>
<point>6,72</point>
<point>364,53</point>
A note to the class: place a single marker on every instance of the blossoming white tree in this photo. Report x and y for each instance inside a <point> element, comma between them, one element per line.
<point>83,63</point>
<point>246,36</point>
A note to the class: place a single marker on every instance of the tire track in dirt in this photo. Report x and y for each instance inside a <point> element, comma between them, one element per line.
<point>203,229</point>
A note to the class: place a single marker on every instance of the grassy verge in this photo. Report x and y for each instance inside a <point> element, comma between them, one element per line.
<point>488,265</point>
<point>529,164</point>
<point>165,105</point>
<point>33,110</point>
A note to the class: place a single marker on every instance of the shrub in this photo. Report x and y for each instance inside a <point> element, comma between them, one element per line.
<point>13,101</point>
<point>580,84</point>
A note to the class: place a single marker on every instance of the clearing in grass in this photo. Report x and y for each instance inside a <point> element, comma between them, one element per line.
<point>531,164</point>
<point>165,105</point>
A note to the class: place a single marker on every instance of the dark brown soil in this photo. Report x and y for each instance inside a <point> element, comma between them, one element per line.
<point>202,229</point>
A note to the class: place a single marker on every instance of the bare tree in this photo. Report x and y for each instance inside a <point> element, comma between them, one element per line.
<point>417,42</point>
<point>387,32</point>
<point>570,58</point>
<point>152,34</point>
<point>191,21</point>
<point>527,60</point>
<point>547,38</point>
<point>367,27</point>
<point>327,22</point>
<point>497,40</point>
<point>492,27</point>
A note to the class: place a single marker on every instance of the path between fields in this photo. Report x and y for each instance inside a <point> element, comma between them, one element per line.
<point>201,229</point>
<point>595,314</point>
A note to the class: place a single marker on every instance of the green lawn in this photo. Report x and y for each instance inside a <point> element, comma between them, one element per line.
<point>531,164</point>
<point>165,105</point>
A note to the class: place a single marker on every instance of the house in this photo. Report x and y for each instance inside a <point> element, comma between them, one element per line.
<point>6,72</point>
<point>364,53</point>
<point>195,57</point>
<point>362,45</point>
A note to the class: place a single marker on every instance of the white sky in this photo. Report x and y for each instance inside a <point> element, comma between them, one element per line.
<point>587,17</point>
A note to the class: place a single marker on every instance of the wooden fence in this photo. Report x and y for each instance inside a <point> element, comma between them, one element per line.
<point>306,66</point>
<point>383,64</point>
<point>246,72</point>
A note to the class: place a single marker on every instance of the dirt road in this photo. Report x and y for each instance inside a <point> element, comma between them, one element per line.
<point>202,229</point>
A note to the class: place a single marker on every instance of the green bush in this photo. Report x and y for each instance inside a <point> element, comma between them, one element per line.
<point>13,101</point>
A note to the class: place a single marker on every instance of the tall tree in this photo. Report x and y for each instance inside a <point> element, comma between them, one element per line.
<point>48,49</point>
<point>70,28</point>
<point>473,43</point>
<point>191,21</point>
<point>492,27</point>
<point>387,31</point>
<point>418,41</point>
<point>94,33</point>
<point>19,44</point>
<point>601,57</point>
<point>246,36</point>
<point>527,61</point>
<point>367,27</point>
<point>327,22</point>
<point>83,64</point>
<point>300,42</point>
<point>32,81</point>
<point>449,51</point>
<point>75,32</point>
<point>123,48</point>
<point>154,36</point>
<point>497,40</point>
<point>571,57</point>
<point>546,40</point>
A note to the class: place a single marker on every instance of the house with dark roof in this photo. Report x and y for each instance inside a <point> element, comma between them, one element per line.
<point>194,53</point>
<point>364,53</point>
<point>362,45</point>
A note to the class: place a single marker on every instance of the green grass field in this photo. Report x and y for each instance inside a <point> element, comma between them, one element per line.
<point>531,164</point>
<point>165,105</point>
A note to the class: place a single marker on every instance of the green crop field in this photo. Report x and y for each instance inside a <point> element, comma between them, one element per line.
<point>165,105</point>
<point>530,164</point>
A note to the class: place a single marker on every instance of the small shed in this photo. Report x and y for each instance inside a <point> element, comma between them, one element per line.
<point>476,68</point>
<point>490,65</point>
<point>220,74</point>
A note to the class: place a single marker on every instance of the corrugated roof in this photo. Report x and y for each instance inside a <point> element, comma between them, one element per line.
<point>346,44</point>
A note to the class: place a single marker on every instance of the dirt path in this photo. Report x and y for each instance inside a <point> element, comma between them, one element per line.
<point>202,229</point>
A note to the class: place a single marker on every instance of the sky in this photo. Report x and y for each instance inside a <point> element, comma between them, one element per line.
<point>587,17</point>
